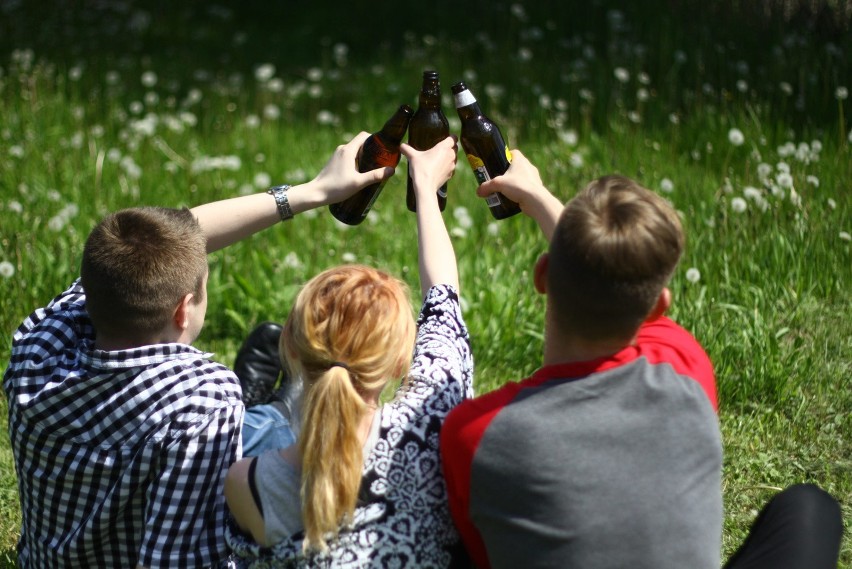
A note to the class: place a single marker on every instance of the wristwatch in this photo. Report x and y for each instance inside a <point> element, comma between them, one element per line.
<point>280,195</point>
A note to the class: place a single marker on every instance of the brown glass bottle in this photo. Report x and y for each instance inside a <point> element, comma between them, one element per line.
<point>381,149</point>
<point>428,127</point>
<point>485,147</point>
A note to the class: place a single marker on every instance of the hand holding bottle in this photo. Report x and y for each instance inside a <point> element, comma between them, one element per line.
<point>431,169</point>
<point>522,184</point>
<point>340,177</point>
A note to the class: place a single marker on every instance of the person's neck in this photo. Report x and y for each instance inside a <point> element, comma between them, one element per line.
<point>114,344</point>
<point>561,348</point>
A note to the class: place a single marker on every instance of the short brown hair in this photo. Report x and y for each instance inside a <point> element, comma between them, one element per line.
<point>614,248</point>
<point>138,263</point>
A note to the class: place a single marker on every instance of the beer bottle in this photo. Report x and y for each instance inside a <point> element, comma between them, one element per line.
<point>428,127</point>
<point>381,149</point>
<point>485,147</point>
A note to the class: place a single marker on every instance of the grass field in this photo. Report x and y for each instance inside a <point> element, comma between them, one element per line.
<point>739,115</point>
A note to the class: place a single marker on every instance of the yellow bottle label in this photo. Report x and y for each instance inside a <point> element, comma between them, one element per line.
<point>475,162</point>
<point>508,154</point>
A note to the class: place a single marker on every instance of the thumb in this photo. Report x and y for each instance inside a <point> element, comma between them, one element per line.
<point>485,189</point>
<point>377,175</point>
<point>406,149</point>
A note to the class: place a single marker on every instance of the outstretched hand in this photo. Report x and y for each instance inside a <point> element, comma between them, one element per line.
<point>340,177</point>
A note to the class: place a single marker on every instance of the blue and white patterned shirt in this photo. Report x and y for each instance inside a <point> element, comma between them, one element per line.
<point>120,455</point>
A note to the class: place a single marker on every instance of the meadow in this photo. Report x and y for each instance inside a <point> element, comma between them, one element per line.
<point>738,114</point>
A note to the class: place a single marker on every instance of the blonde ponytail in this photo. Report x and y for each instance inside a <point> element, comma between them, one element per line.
<point>331,455</point>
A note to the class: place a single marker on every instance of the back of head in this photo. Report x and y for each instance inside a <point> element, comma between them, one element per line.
<point>614,249</point>
<point>137,265</point>
<point>361,318</point>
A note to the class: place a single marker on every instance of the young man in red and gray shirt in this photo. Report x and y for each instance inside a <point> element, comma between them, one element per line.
<point>610,455</point>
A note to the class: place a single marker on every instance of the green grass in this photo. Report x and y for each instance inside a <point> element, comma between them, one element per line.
<point>771,306</point>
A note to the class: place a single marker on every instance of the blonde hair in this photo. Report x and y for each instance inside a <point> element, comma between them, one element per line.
<point>614,249</point>
<point>361,318</point>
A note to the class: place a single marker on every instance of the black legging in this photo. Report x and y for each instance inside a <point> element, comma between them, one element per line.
<point>800,528</point>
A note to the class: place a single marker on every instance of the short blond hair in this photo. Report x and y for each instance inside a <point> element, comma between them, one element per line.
<point>362,318</point>
<point>137,265</point>
<point>614,249</point>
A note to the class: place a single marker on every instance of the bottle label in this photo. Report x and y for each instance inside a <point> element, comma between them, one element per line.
<point>464,99</point>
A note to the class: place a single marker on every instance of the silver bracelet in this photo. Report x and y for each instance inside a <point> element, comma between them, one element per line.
<point>280,195</point>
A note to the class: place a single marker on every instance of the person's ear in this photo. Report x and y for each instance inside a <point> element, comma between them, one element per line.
<point>181,317</point>
<point>664,301</point>
<point>540,273</point>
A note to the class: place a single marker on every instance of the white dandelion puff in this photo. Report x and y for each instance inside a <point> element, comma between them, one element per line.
<point>845,236</point>
<point>666,185</point>
<point>7,269</point>
<point>621,74</point>
<point>738,205</point>
<point>832,204</point>
<point>264,72</point>
<point>693,275</point>
<point>841,93</point>
<point>348,257</point>
<point>735,137</point>
<point>785,180</point>
<point>149,79</point>
<point>812,180</point>
<point>262,180</point>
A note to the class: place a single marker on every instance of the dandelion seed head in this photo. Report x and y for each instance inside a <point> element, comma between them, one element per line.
<point>576,160</point>
<point>149,79</point>
<point>492,229</point>
<point>348,257</point>
<point>783,167</point>
<point>271,112</point>
<point>569,137</point>
<point>7,269</point>
<point>666,185</point>
<point>841,93</point>
<point>832,204</point>
<point>735,137</point>
<point>812,180</point>
<point>291,260</point>
<point>845,236</point>
<point>16,151</point>
<point>459,232</point>
<point>785,88</point>
<point>15,207</point>
<point>785,180</point>
<point>264,72</point>
<point>262,180</point>
<point>742,86</point>
<point>738,205</point>
<point>693,275</point>
<point>252,121</point>
<point>621,74</point>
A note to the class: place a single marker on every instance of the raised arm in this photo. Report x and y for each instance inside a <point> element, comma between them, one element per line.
<point>522,183</point>
<point>227,221</point>
<point>429,170</point>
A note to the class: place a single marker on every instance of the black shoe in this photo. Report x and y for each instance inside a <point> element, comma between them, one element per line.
<point>258,365</point>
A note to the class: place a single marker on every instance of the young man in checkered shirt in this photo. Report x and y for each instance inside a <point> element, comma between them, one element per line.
<point>122,431</point>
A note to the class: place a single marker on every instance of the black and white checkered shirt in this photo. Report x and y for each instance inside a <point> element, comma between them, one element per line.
<point>121,455</point>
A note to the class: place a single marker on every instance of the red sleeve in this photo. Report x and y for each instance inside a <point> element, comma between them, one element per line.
<point>664,341</point>
<point>460,436</point>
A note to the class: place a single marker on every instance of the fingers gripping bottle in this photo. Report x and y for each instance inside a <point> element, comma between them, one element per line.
<point>381,149</point>
<point>485,147</point>
<point>428,127</point>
